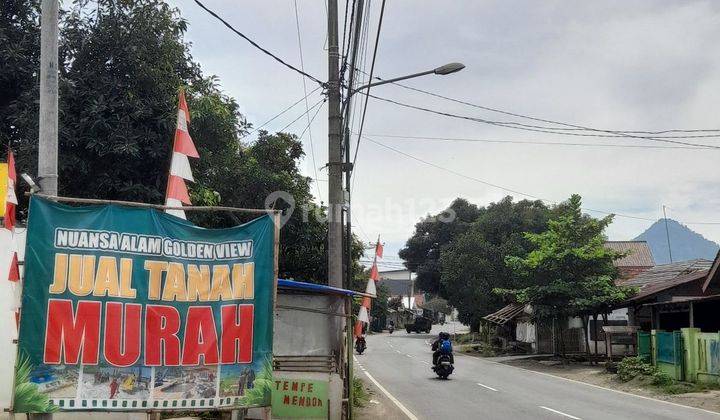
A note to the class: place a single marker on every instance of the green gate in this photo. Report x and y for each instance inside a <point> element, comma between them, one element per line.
<point>670,353</point>
<point>645,346</point>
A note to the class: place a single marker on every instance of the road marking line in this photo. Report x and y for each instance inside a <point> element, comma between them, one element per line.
<point>715,413</point>
<point>402,408</point>
<point>488,387</point>
<point>559,412</point>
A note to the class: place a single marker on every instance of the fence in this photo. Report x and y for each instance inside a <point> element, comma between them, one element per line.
<point>686,355</point>
<point>703,355</point>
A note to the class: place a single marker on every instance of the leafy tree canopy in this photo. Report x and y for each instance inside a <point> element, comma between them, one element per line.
<point>121,65</point>
<point>422,250</point>
<point>570,271</point>
<point>473,263</point>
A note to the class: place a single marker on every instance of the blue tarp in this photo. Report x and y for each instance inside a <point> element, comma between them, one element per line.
<point>318,288</point>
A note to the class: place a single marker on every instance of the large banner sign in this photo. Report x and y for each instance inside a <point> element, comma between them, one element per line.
<point>133,309</point>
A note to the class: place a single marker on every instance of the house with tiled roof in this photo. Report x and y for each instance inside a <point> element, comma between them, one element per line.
<point>514,321</point>
<point>677,295</point>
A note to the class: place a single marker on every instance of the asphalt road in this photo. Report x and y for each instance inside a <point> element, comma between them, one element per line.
<point>480,389</point>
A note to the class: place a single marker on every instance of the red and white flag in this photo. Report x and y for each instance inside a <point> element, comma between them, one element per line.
<point>9,219</point>
<point>9,222</point>
<point>11,199</point>
<point>183,147</point>
<point>370,289</point>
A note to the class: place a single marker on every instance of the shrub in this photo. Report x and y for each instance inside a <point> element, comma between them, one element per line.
<point>661,378</point>
<point>630,367</point>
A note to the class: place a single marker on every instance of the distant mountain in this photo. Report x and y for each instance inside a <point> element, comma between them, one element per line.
<point>686,243</point>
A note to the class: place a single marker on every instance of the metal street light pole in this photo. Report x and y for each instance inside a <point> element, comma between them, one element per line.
<point>442,70</point>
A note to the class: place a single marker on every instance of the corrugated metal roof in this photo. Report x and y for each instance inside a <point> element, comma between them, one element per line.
<point>666,276</point>
<point>638,253</point>
<point>505,314</point>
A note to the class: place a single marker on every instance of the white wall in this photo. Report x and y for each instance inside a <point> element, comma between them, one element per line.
<point>9,302</point>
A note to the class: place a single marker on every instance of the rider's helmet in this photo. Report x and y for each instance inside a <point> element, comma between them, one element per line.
<point>444,336</point>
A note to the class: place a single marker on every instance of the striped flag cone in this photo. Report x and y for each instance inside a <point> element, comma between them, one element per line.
<point>180,171</point>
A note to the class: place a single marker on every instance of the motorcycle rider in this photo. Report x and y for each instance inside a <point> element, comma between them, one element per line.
<point>439,346</point>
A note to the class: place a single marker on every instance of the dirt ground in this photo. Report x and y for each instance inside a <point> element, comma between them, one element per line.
<point>596,375</point>
<point>378,405</point>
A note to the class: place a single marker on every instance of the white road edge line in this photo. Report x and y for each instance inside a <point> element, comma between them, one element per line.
<point>488,387</point>
<point>402,408</point>
<point>559,412</point>
<point>715,413</point>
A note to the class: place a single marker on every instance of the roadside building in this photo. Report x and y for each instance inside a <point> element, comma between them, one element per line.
<point>515,328</point>
<point>677,295</point>
<point>401,283</point>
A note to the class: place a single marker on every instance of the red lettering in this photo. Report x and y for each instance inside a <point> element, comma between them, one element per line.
<point>200,337</point>
<point>66,332</point>
<point>162,324</point>
<point>122,335</point>
<point>286,400</point>
<point>294,386</point>
<point>237,335</point>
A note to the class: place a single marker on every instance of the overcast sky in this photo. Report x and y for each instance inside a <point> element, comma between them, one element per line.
<point>641,65</point>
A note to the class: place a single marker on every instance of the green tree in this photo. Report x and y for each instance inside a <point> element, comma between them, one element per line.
<point>422,251</point>
<point>438,304</point>
<point>569,272</point>
<point>121,65</point>
<point>474,262</point>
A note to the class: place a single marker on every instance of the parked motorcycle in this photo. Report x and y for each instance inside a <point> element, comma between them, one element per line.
<point>360,345</point>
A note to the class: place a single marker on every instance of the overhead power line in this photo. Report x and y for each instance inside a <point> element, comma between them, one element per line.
<point>505,124</point>
<point>280,113</point>
<point>307,108</point>
<point>256,45</point>
<point>462,175</point>
<point>317,104</point>
<point>568,126</point>
<point>532,142</point>
<point>372,70</point>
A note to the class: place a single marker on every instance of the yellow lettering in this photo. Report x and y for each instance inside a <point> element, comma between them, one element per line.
<point>243,276</point>
<point>82,274</point>
<point>175,283</point>
<point>221,288</point>
<point>126,289</point>
<point>106,280</point>
<point>155,269</point>
<point>198,283</point>
<point>60,275</point>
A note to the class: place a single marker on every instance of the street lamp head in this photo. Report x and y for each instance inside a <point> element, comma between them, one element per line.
<point>449,68</point>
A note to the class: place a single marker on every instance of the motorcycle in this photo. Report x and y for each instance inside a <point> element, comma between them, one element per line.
<point>360,345</point>
<point>444,367</point>
<point>391,328</point>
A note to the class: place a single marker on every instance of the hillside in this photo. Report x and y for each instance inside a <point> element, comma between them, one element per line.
<point>686,243</point>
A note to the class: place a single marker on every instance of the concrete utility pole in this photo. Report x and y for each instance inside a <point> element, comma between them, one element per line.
<point>48,141</point>
<point>335,192</point>
<point>335,197</point>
